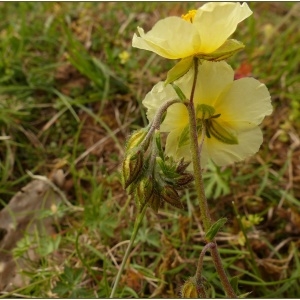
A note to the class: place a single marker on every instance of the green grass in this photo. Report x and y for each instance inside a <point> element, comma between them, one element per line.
<point>63,88</point>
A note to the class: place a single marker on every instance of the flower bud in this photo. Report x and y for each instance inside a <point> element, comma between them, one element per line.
<point>170,195</point>
<point>132,167</point>
<point>144,190</point>
<point>136,138</point>
<point>189,289</point>
<point>183,180</point>
<point>194,288</point>
<point>181,167</point>
<point>155,201</point>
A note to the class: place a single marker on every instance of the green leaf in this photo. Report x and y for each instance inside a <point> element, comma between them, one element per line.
<point>61,289</point>
<point>179,69</point>
<point>179,92</point>
<point>214,229</point>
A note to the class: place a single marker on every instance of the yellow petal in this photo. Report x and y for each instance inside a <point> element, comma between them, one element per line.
<point>225,154</point>
<point>156,97</point>
<point>216,21</point>
<point>172,148</point>
<point>171,38</point>
<point>245,101</point>
<point>177,117</point>
<point>213,78</point>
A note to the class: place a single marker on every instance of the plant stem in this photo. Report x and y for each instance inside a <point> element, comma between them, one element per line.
<point>137,224</point>
<point>155,124</point>
<point>195,149</point>
<point>204,211</point>
<point>221,272</point>
<point>198,277</point>
<point>201,258</point>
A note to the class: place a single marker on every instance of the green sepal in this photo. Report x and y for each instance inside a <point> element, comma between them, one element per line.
<point>179,69</point>
<point>168,168</point>
<point>158,145</point>
<point>184,137</point>
<point>229,48</point>
<point>179,92</point>
<point>214,229</point>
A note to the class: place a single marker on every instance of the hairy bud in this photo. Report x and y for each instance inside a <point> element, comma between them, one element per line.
<point>189,289</point>
<point>144,191</point>
<point>185,179</point>
<point>132,167</point>
<point>155,201</point>
<point>181,167</point>
<point>170,195</point>
<point>136,138</point>
<point>193,288</point>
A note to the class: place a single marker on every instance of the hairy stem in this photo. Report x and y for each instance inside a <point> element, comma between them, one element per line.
<point>155,124</point>
<point>204,211</point>
<point>221,272</point>
<point>195,149</point>
<point>137,224</point>
<point>201,258</point>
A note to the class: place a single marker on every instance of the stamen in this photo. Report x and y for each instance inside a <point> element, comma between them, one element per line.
<point>189,16</point>
<point>220,133</point>
<point>216,116</point>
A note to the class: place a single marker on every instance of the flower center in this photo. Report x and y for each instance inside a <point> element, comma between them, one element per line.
<point>189,16</point>
<point>204,111</point>
<point>206,117</point>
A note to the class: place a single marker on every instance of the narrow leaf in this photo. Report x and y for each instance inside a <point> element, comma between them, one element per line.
<point>179,92</point>
<point>214,229</point>
<point>179,69</point>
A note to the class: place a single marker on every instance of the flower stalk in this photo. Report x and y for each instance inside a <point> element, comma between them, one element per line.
<point>196,160</point>
<point>221,272</point>
<point>136,227</point>
<point>204,211</point>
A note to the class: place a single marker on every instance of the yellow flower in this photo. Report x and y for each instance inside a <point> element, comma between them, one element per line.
<point>124,56</point>
<point>203,32</point>
<point>230,110</point>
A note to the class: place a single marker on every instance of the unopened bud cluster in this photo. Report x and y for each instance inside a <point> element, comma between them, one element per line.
<point>195,287</point>
<point>150,176</point>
